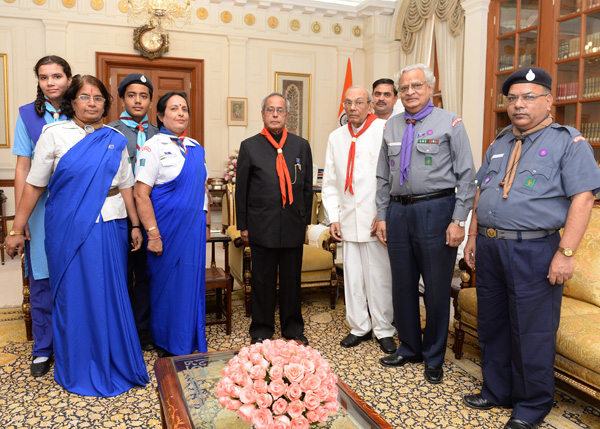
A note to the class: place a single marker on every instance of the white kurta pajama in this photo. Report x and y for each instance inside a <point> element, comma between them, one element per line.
<point>367,274</point>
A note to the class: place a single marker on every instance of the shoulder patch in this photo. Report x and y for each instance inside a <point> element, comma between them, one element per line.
<point>578,138</point>
<point>456,121</point>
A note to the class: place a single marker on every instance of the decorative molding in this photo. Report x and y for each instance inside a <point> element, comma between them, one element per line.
<point>273,22</point>
<point>337,28</point>
<point>249,19</point>
<point>357,31</point>
<point>123,6</point>
<point>68,3</point>
<point>295,25</point>
<point>226,16</point>
<point>38,2</point>
<point>316,27</point>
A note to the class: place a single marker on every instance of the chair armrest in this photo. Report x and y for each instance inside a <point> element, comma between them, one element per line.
<point>467,274</point>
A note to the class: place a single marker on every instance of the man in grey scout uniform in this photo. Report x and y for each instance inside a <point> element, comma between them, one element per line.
<point>425,190</point>
<point>535,176</point>
<point>135,91</point>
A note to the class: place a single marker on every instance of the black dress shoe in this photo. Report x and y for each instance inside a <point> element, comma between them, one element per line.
<point>300,338</point>
<point>162,353</point>
<point>255,340</point>
<point>478,402</point>
<point>40,368</point>
<point>146,341</point>
<point>520,424</point>
<point>387,345</point>
<point>397,360</point>
<point>434,374</point>
<point>352,340</point>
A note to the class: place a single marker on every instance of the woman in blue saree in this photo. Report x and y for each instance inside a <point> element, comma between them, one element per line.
<point>171,202</point>
<point>86,169</point>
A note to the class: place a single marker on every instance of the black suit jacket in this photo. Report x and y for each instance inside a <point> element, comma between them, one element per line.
<point>132,136</point>
<point>258,199</point>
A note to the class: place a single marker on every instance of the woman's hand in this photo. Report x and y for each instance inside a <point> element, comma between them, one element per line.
<point>136,239</point>
<point>155,246</point>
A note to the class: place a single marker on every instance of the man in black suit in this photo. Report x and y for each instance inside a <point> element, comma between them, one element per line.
<point>135,91</point>
<point>273,201</point>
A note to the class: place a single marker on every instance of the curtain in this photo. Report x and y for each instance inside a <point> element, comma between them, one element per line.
<point>450,54</point>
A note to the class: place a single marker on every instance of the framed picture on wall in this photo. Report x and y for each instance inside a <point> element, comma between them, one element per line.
<point>4,136</point>
<point>296,88</point>
<point>237,111</point>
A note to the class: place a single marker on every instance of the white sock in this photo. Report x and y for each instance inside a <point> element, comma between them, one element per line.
<point>40,359</point>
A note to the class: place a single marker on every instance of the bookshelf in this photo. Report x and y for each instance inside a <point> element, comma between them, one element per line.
<point>562,37</point>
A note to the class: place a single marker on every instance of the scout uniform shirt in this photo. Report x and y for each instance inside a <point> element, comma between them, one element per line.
<point>556,163</point>
<point>440,159</point>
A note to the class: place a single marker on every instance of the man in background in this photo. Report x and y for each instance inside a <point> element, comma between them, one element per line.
<point>385,96</point>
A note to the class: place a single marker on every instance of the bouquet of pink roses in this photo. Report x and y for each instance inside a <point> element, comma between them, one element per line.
<point>279,384</point>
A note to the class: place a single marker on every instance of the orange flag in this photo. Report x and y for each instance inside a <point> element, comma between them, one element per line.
<point>342,119</point>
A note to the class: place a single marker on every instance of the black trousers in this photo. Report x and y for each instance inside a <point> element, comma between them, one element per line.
<point>416,239</point>
<point>266,263</point>
<point>138,286</point>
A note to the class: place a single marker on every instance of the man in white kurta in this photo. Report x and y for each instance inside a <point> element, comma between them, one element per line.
<point>349,186</point>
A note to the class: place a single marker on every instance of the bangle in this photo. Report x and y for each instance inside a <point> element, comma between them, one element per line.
<point>472,234</point>
<point>152,228</point>
<point>154,238</point>
<point>136,226</point>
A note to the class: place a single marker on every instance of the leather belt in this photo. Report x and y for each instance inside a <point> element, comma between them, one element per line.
<point>113,191</point>
<point>411,199</point>
<point>514,235</point>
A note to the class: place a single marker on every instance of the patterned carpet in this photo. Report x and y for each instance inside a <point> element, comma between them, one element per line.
<point>400,395</point>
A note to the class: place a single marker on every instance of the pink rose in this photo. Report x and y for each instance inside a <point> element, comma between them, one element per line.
<point>264,400</point>
<point>262,418</point>
<point>323,414</point>
<point>294,391</point>
<point>261,386</point>
<point>309,365</point>
<point>277,388</point>
<point>295,408</point>
<point>278,361</point>
<point>276,372</point>
<point>300,423</point>
<point>229,404</point>
<point>234,390</point>
<point>312,416</point>
<point>294,372</point>
<point>323,392</point>
<point>281,422</point>
<point>310,382</point>
<point>258,373</point>
<point>255,357</point>
<point>321,373</point>
<point>311,400</point>
<point>248,395</point>
<point>332,406</point>
<point>245,412</point>
<point>279,406</point>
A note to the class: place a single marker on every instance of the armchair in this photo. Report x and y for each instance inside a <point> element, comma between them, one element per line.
<point>318,268</point>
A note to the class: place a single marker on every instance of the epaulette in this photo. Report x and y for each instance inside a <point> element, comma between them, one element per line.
<point>113,128</point>
<point>573,132</point>
<point>50,125</point>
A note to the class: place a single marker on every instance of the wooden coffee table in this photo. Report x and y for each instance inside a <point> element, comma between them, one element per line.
<point>186,390</point>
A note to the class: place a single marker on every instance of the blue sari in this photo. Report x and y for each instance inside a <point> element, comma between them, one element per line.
<point>96,346</point>
<point>177,284</point>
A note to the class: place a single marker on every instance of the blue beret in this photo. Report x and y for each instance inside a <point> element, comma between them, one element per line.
<point>135,78</point>
<point>528,75</point>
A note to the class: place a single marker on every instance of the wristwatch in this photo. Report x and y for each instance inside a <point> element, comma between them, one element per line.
<point>13,232</point>
<point>566,251</point>
<point>460,223</point>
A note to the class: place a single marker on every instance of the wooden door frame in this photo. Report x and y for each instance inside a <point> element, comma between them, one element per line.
<point>106,60</point>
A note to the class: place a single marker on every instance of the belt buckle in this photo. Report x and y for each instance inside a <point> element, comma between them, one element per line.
<point>490,232</point>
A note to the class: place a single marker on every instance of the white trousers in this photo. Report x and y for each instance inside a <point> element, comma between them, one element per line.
<point>368,288</point>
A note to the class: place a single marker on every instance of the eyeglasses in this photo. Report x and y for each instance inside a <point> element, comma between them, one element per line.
<point>415,86</point>
<point>97,98</point>
<point>358,103</point>
<point>279,110</point>
<point>527,98</point>
<point>382,94</point>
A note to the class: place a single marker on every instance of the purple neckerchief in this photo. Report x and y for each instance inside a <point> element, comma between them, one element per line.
<point>409,136</point>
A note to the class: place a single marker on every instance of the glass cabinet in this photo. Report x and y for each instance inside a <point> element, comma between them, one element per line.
<point>563,37</point>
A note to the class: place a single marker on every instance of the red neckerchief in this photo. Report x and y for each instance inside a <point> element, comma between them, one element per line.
<point>282,169</point>
<point>350,169</point>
